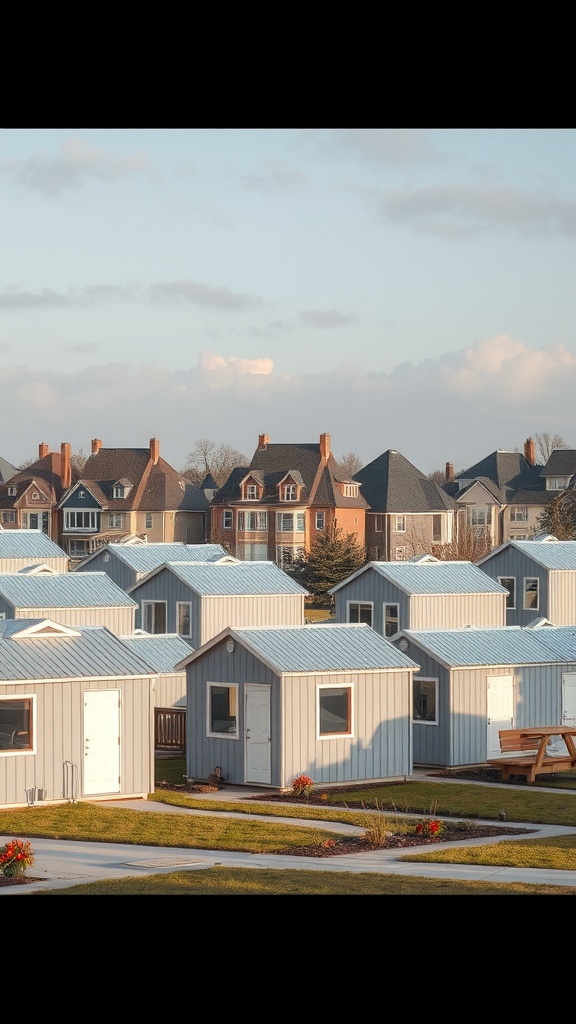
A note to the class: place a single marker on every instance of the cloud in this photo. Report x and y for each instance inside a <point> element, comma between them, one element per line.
<point>464,211</point>
<point>75,165</point>
<point>277,177</point>
<point>327,318</point>
<point>198,294</point>
<point>458,408</point>
<point>381,146</point>
<point>168,293</point>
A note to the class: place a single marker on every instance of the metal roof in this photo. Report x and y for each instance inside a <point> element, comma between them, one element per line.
<point>559,554</point>
<point>503,645</point>
<point>161,651</point>
<point>64,590</point>
<point>332,647</point>
<point>25,543</point>
<point>94,652</point>
<point>560,639</point>
<point>228,578</point>
<point>145,557</point>
<point>433,577</point>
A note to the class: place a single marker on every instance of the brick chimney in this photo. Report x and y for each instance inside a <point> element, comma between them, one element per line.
<point>325,446</point>
<point>96,446</point>
<point>154,450</point>
<point>65,465</point>
<point>43,450</point>
<point>449,474</point>
<point>263,440</point>
<point>530,451</point>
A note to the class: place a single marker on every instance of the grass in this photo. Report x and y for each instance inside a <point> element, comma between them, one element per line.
<point>94,822</point>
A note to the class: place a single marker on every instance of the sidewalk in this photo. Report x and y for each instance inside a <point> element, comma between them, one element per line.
<point>61,864</point>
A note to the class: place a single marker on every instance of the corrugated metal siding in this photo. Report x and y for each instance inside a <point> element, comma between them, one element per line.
<point>170,690</point>
<point>561,608</point>
<point>513,562</point>
<point>370,586</point>
<point>59,718</point>
<point>119,620</point>
<point>123,575</point>
<point>453,611</point>
<point>250,610</point>
<point>8,565</point>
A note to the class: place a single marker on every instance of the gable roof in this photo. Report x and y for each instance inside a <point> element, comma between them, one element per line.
<point>431,577</point>
<point>46,471</point>
<point>155,486</point>
<point>145,557</point>
<point>502,645</point>
<point>28,543</point>
<point>330,647</point>
<point>562,462</point>
<point>162,651</point>
<point>64,590</point>
<point>7,470</point>
<point>87,651</point>
<point>507,471</point>
<point>554,554</point>
<point>392,484</point>
<point>227,579</point>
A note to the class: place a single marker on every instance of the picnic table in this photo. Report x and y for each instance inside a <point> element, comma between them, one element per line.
<point>539,762</point>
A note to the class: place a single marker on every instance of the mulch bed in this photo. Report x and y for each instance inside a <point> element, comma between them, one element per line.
<point>18,880</point>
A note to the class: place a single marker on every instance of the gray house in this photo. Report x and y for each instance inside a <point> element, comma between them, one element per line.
<point>20,549</point>
<point>540,577</point>
<point>198,600</point>
<point>128,563</point>
<point>424,594</point>
<point>85,599</point>
<point>473,682</point>
<point>333,701</point>
<point>76,715</point>
<point>162,653</point>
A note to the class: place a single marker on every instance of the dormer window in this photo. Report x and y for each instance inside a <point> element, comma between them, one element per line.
<point>251,492</point>
<point>350,490</point>
<point>118,491</point>
<point>289,492</point>
<point>12,491</point>
<point>557,483</point>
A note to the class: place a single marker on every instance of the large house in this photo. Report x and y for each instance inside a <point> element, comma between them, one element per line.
<point>408,513</point>
<point>28,497</point>
<point>130,491</point>
<point>273,509</point>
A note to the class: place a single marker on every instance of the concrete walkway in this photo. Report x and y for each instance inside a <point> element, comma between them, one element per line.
<point>60,864</point>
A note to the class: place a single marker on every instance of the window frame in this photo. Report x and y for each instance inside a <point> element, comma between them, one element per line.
<point>388,618</point>
<point>220,734</point>
<point>360,605</point>
<point>179,606</point>
<point>146,604</point>
<point>519,514</point>
<point>30,699</point>
<point>118,491</point>
<point>511,599</point>
<point>289,492</point>
<point>530,607</point>
<point>348,733</point>
<point>250,492</point>
<point>350,490</point>
<point>400,553</point>
<point>425,679</point>
<point>149,521</point>
<point>8,516</point>
<point>320,521</point>
<point>89,515</point>
<point>400,526</point>
<point>227,519</point>
<point>296,517</point>
<point>115,520</point>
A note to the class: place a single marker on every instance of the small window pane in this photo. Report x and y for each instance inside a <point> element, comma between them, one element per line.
<point>223,710</point>
<point>334,710</point>
<point>424,703</point>
<point>16,724</point>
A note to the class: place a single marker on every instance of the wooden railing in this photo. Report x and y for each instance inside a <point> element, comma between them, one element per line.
<point>170,729</point>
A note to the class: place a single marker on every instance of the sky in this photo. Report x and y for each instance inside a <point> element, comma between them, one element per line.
<point>407,289</point>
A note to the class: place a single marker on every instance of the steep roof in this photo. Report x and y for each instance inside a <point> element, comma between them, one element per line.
<point>392,484</point>
<point>47,472</point>
<point>7,470</point>
<point>154,486</point>
<point>331,647</point>
<point>562,462</point>
<point>508,471</point>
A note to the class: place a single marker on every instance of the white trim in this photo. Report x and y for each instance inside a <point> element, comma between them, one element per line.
<point>32,697</point>
<point>222,735</point>
<point>427,679</point>
<point>335,735</point>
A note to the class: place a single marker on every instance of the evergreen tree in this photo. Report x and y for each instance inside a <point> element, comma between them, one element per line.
<point>333,557</point>
<point>559,518</point>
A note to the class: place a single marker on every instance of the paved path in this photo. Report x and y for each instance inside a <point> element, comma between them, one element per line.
<point>62,864</point>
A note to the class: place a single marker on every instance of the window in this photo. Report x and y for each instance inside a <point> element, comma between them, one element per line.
<point>334,711</point>
<point>391,619</point>
<point>480,515</point>
<point>8,517</point>
<point>35,496</point>
<point>227,519</point>
<point>400,554</point>
<point>251,521</point>
<point>116,521</point>
<point>81,494</point>
<point>251,492</point>
<point>400,524</point>
<point>154,616</point>
<point>289,492</point>
<point>118,491</point>
<point>286,556</point>
<point>531,593</point>
<point>436,529</point>
<point>557,483</point>
<point>149,521</point>
<point>16,724</point>
<point>184,618</point>
<point>253,552</point>
<point>510,583</point>
<point>12,491</point>
<point>223,710</point>
<point>378,524</point>
<point>290,522</point>
<point>77,548</point>
<point>74,520</point>
<point>425,701</point>
<point>319,521</point>
<point>518,514</point>
<point>350,490</point>
<point>359,611</point>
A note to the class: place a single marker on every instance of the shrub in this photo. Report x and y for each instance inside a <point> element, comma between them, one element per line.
<point>302,785</point>
<point>15,857</point>
<point>430,827</point>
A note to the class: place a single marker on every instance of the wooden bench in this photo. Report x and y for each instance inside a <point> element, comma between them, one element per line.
<point>530,765</point>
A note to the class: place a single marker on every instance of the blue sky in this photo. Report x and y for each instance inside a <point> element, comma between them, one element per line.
<point>395,288</point>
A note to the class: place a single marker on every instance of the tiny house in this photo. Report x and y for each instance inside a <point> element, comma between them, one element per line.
<point>125,564</point>
<point>539,577</point>
<point>89,599</point>
<point>20,549</point>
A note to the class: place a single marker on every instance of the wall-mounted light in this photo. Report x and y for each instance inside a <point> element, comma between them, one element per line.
<point>230,646</point>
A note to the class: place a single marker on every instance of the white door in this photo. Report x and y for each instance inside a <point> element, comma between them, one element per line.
<point>557,745</point>
<point>101,742</point>
<point>500,710</point>
<point>258,739</point>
